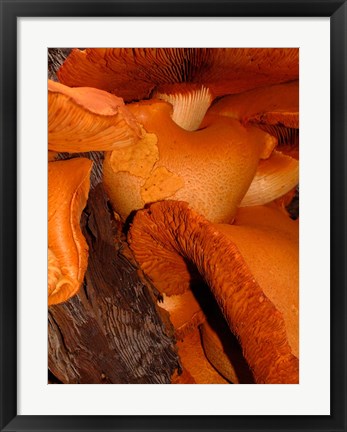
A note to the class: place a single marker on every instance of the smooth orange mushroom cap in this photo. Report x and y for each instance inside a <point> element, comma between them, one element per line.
<point>211,168</point>
<point>68,188</point>
<point>277,104</point>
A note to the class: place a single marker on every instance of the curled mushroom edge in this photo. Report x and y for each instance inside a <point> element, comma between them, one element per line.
<point>262,313</point>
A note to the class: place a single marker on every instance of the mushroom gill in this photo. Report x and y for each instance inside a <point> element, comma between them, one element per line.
<point>87,119</point>
<point>251,268</point>
<point>185,77</point>
<point>68,188</point>
<point>274,178</point>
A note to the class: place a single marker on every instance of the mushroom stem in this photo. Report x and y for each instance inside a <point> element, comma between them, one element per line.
<point>251,315</point>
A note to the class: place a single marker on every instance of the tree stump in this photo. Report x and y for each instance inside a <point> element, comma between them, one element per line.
<point>112,331</point>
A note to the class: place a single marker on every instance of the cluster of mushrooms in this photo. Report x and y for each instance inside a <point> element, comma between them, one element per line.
<point>201,155</point>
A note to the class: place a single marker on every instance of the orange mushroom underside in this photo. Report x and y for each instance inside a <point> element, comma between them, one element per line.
<point>87,119</point>
<point>134,73</point>
<point>262,314</point>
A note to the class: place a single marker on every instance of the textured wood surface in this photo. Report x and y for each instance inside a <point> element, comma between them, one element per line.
<point>112,331</point>
<point>56,57</point>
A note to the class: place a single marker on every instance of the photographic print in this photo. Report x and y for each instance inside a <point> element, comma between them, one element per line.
<point>164,222</point>
<point>173,215</point>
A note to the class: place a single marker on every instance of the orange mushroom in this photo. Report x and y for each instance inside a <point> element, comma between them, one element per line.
<point>87,119</point>
<point>274,178</point>
<point>215,169</point>
<point>210,168</point>
<point>167,162</point>
<point>188,78</point>
<point>68,188</point>
<point>270,105</point>
<point>251,268</point>
<point>275,109</point>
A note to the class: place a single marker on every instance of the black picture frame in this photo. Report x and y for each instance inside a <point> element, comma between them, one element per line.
<point>10,11</point>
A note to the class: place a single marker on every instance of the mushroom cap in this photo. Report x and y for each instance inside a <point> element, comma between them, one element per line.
<point>68,188</point>
<point>275,109</point>
<point>211,168</point>
<point>261,307</point>
<point>276,104</point>
<point>134,73</point>
<point>87,119</point>
<point>266,238</point>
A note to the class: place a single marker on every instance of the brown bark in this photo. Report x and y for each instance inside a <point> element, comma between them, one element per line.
<point>112,330</point>
<point>56,57</point>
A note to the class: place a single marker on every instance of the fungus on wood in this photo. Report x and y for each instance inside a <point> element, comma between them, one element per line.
<point>189,78</point>
<point>237,153</point>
